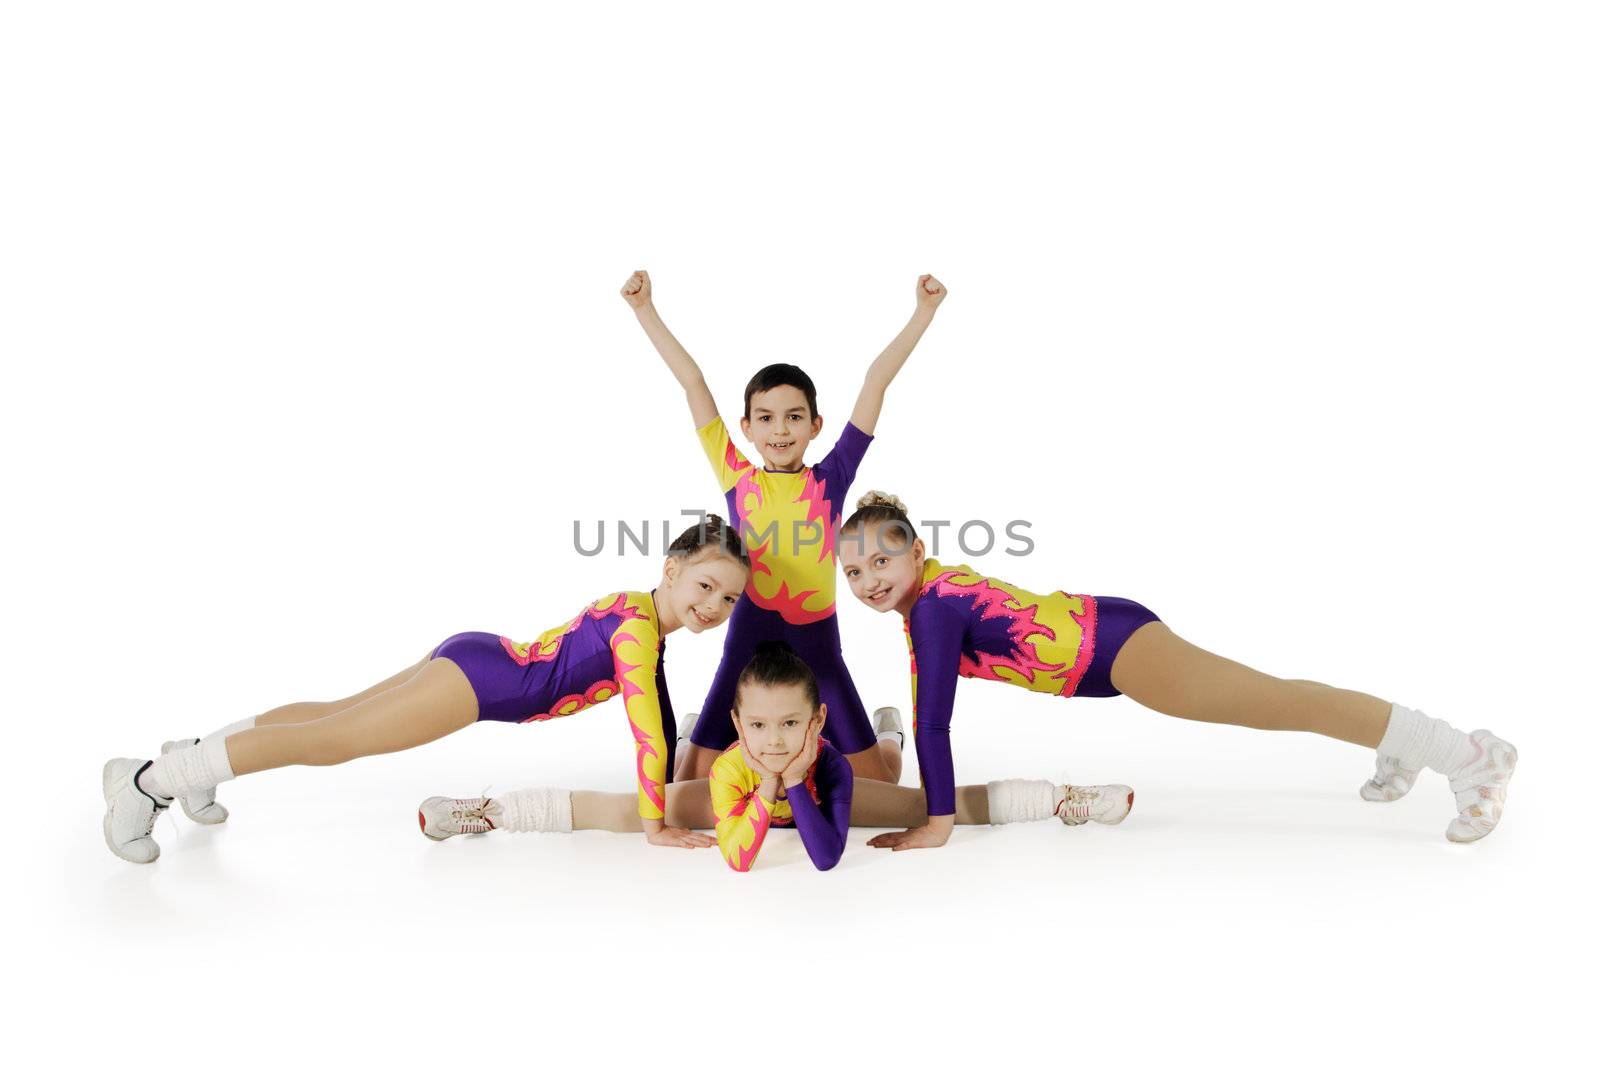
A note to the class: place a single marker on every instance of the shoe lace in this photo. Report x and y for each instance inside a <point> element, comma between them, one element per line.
<point>1078,803</point>
<point>476,809</point>
<point>150,819</point>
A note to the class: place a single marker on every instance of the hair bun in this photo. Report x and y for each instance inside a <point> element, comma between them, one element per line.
<point>877,498</point>
<point>713,531</point>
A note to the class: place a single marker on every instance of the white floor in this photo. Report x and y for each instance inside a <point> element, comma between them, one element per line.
<point>1250,900</point>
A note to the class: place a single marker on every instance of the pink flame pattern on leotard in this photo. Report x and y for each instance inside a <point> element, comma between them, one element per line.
<point>1051,637</point>
<point>742,816</point>
<point>773,510</point>
<point>635,650</point>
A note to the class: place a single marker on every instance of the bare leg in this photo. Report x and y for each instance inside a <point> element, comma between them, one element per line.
<point>696,762</point>
<point>880,763</point>
<point>436,701</point>
<point>308,710</point>
<point>688,806</point>
<point>1164,672</point>
<point>882,804</point>
<point>893,759</point>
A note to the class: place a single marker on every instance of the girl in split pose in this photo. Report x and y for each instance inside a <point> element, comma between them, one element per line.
<point>788,513</point>
<point>780,773</point>
<point>615,645</point>
<point>962,625</point>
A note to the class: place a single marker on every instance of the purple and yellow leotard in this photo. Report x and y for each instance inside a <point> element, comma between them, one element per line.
<point>789,521</point>
<point>963,625</point>
<point>613,646</point>
<point>820,810</point>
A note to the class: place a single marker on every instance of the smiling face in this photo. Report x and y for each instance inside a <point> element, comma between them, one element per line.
<point>780,425</point>
<point>773,720</point>
<point>884,572</point>
<point>701,590</point>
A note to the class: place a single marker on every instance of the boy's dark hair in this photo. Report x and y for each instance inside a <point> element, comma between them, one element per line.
<point>775,663</point>
<point>713,531</point>
<point>776,374</point>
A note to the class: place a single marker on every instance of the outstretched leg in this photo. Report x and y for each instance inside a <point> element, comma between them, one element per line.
<point>1164,672</point>
<point>436,701</point>
<point>562,811</point>
<point>202,806</point>
<point>308,710</point>
<point>873,803</point>
<point>688,806</point>
<point>881,804</point>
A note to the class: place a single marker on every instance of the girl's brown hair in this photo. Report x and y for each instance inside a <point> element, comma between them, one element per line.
<point>775,663</point>
<point>875,507</point>
<point>714,532</point>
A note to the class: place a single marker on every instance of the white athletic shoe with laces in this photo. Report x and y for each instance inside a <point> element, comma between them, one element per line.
<point>1105,804</point>
<point>1480,788</point>
<point>130,811</point>
<point>1389,781</point>
<point>442,817</point>
<point>201,807</point>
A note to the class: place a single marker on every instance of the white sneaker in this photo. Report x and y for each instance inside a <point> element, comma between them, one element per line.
<point>442,817</point>
<point>130,811</point>
<point>1389,781</point>
<point>201,807</point>
<point>1480,788</point>
<point>1106,804</point>
<point>686,729</point>
<point>685,732</point>
<point>887,721</point>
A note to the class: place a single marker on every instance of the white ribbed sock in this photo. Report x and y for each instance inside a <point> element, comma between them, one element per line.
<point>1414,740</point>
<point>537,810</point>
<point>232,728</point>
<point>189,769</point>
<point>1022,800</point>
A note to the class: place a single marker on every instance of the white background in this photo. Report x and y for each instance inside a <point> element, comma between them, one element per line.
<point>1279,318</point>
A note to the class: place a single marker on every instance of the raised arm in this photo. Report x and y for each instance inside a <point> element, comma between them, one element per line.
<point>636,291</point>
<point>870,403</point>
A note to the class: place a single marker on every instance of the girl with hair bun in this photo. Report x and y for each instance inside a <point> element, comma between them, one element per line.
<point>613,646</point>
<point>960,624</point>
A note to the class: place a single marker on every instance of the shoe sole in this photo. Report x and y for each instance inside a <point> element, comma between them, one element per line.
<point>1380,798</point>
<point>195,816</point>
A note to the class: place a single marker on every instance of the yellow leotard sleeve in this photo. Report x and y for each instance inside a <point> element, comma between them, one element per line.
<point>743,817</point>
<point>727,462</point>
<point>635,654</point>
